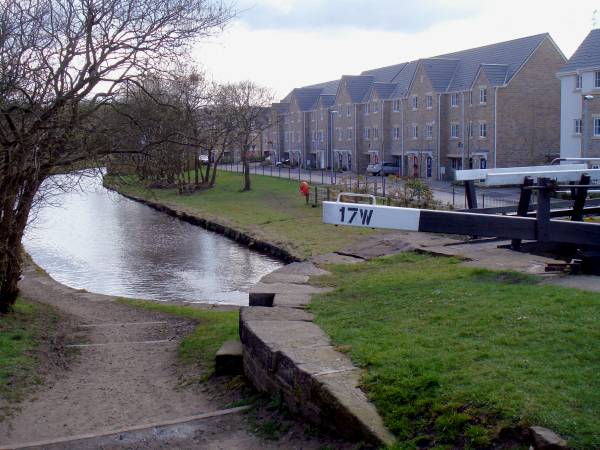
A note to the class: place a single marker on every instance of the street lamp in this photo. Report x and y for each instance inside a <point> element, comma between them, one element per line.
<point>586,132</point>
<point>331,113</point>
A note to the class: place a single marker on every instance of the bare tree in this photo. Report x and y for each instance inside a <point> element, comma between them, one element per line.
<point>247,104</point>
<point>60,62</point>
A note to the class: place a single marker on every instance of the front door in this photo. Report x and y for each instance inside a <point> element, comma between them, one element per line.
<point>429,166</point>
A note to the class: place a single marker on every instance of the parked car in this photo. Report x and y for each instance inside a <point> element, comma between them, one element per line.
<point>383,169</point>
<point>283,163</point>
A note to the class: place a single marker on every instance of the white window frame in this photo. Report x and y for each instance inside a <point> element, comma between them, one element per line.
<point>597,79</point>
<point>578,82</point>
<point>482,130</point>
<point>415,131</point>
<point>396,133</point>
<point>596,124</point>
<point>367,134</point>
<point>454,100</point>
<point>429,131</point>
<point>429,101</point>
<point>578,126</point>
<point>348,110</point>
<point>414,101</point>
<point>375,133</point>
<point>397,105</point>
<point>454,130</point>
<point>367,108</point>
<point>375,107</point>
<point>483,95</point>
<point>339,134</point>
<point>349,133</point>
<point>470,129</point>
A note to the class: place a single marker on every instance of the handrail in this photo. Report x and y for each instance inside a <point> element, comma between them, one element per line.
<point>352,194</point>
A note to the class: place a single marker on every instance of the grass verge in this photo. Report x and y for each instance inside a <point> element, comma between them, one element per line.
<point>22,333</point>
<point>214,327</point>
<point>454,354</point>
<point>273,211</point>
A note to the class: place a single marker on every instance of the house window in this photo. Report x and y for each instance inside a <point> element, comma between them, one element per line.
<point>375,107</point>
<point>429,101</point>
<point>483,163</point>
<point>415,102</point>
<point>578,126</point>
<point>320,135</point>
<point>456,163</point>
<point>578,82</point>
<point>471,98</point>
<point>375,133</point>
<point>454,130</point>
<point>415,131</point>
<point>454,100</point>
<point>349,134</point>
<point>470,129</point>
<point>428,131</point>
<point>596,126</point>
<point>597,79</point>
<point>397,133</point>
<point>482,130</point>
<point>397,105</point>
<point>367,133</point>
<point>367,108</point>
<point>339,134</point>
<point>348,109</point>
<point>482,95</point>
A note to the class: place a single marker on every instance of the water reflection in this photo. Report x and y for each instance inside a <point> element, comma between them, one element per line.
<point>104,243</point>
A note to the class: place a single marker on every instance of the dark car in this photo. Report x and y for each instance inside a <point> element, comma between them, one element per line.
<point>383,169</point>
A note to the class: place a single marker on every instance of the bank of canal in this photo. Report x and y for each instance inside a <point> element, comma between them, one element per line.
<point>99,241</point>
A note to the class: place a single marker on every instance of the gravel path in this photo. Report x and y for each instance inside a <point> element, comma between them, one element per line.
<point>126,375</point>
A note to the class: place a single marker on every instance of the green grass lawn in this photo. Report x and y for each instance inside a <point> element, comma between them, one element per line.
<point>452,354</point>
<point>272,211</point>
<point>21,333</point>
<point>200,346</point>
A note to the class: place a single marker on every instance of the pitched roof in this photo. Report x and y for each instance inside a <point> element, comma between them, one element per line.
<point>440,72</point>
<point>281,107</point>
<point>327,100</point>
<point>385,74</point>
<point>357,86</point>
<point>513,54</point>
<point>307,97</point>
<point>383,90</point>
<point>327,87</point>
<point>495,73</point>
<point>403,79</point>
<point>587,55</point>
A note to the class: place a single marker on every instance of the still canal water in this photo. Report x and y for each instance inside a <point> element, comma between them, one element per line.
<point>102,242</point>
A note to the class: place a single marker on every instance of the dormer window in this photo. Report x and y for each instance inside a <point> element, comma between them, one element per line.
<point>375,107</point>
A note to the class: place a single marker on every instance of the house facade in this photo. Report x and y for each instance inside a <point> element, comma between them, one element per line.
<point>491,106</point>
<point>580,101</point>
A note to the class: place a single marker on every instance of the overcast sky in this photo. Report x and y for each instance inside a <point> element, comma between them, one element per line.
<point>284,44</point>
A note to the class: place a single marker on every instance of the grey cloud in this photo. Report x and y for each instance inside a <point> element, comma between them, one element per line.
<point>381,15</point>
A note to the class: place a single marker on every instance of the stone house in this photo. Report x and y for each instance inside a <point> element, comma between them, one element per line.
<point>580,101</point>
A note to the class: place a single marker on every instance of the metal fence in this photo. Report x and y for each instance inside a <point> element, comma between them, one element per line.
<point>379,186</point>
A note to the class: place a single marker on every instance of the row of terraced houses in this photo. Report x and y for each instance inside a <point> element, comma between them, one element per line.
<point>491,106</point>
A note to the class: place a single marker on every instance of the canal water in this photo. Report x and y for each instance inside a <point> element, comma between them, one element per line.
<point>97,240</point>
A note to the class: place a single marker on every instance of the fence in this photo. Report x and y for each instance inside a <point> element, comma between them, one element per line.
<point>380,186</point>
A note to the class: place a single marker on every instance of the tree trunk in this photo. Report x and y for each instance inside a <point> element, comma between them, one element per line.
<point>246,165</point>
<point>18,198</point>
<point>196,162</point>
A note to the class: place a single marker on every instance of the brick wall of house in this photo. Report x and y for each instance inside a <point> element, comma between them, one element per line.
<point>529,111</point>
<point>593,112</point>
<point>421,146</point>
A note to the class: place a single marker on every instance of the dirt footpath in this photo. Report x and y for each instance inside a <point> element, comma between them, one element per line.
<point>126,375</point>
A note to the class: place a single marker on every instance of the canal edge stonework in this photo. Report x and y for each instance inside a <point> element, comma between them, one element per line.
<point>287,355</point>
